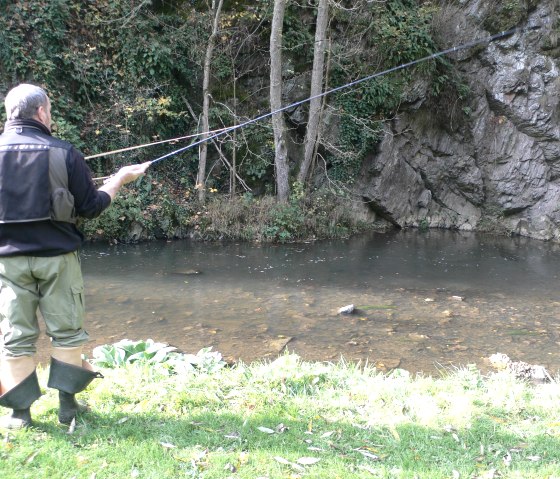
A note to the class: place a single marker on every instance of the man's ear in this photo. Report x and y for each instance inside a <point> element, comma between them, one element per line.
<point>41,114</point>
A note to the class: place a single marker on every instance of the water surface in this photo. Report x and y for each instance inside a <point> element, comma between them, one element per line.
<point>424,300</point>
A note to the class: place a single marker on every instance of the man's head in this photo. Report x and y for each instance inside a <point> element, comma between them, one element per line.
<point>28,102</point>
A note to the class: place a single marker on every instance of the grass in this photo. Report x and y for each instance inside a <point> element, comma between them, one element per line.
<point>294,419</point>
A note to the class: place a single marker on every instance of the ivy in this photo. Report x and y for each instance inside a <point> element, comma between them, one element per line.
<point>121,73</point>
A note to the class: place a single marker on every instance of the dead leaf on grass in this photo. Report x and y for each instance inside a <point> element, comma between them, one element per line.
<point>266,430</point>
<point>293,465</point>
<point>30,458</point>
<point>369,455</point>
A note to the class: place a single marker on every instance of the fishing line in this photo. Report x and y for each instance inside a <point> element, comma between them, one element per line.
<point>447,51</point>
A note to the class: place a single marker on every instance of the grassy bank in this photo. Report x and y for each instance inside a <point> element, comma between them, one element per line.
<point>293,419</point>
<point>164,213</point>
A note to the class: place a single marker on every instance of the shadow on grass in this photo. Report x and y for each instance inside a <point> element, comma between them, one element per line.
<point>269,444</point>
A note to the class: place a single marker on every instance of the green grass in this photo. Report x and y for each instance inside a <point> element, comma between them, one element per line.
<point>293,419</point>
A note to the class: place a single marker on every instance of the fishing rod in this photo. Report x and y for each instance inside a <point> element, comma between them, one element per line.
<point>402,66</point>
<point>153,143</point>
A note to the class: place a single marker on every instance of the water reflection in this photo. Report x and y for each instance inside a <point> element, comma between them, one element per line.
<point>424,299</point>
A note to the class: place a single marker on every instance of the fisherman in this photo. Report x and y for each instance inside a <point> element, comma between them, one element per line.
<point>45,185</point>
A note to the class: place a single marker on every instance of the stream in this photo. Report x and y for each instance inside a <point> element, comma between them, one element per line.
<point>423,301</point>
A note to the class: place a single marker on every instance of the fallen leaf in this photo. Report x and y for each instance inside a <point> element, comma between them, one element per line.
<point>293,465</point>
<point>370,470</point>
<point>369,455</point>
<point>167,445</point>
<point>266,430</point>
<point>72,426</point>
<point>308,461</point>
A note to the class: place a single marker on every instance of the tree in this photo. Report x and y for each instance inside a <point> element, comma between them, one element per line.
<point>203,150</point>
<point>278,124</point>
<point>312,131</point>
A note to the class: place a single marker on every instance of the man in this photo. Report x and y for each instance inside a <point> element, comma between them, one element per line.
<point>44,185</point>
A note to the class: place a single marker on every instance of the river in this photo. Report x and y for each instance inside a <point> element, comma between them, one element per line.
<point>424,301</point>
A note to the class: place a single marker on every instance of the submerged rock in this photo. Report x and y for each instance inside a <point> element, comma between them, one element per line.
<point>349,309</point>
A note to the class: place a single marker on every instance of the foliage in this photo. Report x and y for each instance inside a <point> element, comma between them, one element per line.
<point>402,30</point>
<point>149,352</point>
<point>123,73</point>
<point>316,214</point>
<point>399,33</point>
<point>128,352</point>
<point>505,15</point>
<point>131,76</point>
<point>116,222</point>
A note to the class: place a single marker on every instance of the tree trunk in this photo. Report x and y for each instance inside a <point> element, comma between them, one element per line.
<point>312,132</point>
<point>201,177</point>
<point>278,125</point>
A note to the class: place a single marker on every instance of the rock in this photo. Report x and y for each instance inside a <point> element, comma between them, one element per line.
<point>490,163</point>
<point>387,364</point>
<point>187,272</point>
<point>349,309</point>
<point>520,369</point>
<point>457,298</point>
<point>278,344</point>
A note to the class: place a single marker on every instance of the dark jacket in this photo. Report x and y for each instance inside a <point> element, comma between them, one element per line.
<point>23,231</point>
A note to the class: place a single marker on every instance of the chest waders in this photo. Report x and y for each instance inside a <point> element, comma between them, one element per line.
<point>19,388</point>
<point>34,187</point>
<point>70,374</point>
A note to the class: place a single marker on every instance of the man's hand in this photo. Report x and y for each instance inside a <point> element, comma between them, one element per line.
<point>125,175</point>
<point>131,172</point>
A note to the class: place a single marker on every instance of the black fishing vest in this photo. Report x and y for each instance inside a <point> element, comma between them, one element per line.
<point>33,180</point>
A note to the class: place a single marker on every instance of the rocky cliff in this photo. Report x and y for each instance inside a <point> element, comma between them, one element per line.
<point>498,167</point>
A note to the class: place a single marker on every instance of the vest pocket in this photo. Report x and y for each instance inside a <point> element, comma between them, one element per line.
<point>62,206</point>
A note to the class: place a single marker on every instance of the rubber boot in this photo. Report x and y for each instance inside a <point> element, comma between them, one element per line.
<point>69,379</point>
<point>19,399</point>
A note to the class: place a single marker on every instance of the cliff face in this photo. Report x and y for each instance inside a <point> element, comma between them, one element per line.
<point>500,167</point>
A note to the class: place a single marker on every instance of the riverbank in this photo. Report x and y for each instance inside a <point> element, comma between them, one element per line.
<point>293,419</point>
<point>163,214</point>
